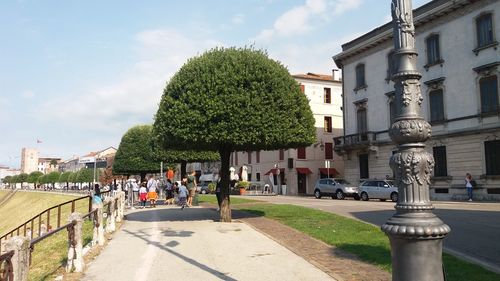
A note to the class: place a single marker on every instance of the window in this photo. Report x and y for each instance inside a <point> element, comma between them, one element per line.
<point>236,158</point>
<point>249,157</point>
<point>436,105</point>
<point>257,156</point>
<point>363,166</point>
<point>327,95</point>
<point>440,168</point>
<point>328,124</point>
<point>489,94</point>
<point>257,176</point>
<point>484,29</point>
<point>360,76</point>
<point>281,154</point>
<point>492,157</point>
<point>302,88</point>
<point>328,150</point>
<point>433,55</point>
<point>392,111</point>
<point>301,153</point>
<point>391,65</point>
<point>362,126</point>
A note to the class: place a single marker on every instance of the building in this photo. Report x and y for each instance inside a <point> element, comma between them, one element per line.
<point>459,60</point>
<point>101,157</point>
<point>6,171</point>
<point>48,165</point>
<point>298,169</point>
<point>29,160</point>
<point>71,165</point>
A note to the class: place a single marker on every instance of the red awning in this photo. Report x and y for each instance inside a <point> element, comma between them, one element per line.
<point>329,171</point>
<point>304,171</point>
<point>274,170</point>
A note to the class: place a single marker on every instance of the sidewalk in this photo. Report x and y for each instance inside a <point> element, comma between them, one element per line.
<point>166,243</point>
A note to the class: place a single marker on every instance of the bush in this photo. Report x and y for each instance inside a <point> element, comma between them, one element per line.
<point>211,187</point>
<point>242,184</point>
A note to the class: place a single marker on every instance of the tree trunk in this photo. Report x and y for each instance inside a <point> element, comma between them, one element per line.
<point>225,209</point>
<point>183,168</point>
<point>143,178</point>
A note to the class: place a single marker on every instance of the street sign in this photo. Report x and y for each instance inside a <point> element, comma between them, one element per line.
<point>85,160</point>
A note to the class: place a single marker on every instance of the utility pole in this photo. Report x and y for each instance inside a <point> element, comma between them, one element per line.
<point>415,233</point>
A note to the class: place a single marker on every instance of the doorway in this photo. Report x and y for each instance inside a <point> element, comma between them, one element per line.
<point>302,183</point>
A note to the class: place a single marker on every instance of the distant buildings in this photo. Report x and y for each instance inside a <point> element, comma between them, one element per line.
<point>459,59</point>
<point>29,160</point>
<point>298,169</point>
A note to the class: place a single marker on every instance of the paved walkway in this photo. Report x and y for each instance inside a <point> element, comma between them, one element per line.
<point>167,243</point>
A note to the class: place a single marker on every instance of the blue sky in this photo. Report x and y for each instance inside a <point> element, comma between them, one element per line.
<point>77,74</point>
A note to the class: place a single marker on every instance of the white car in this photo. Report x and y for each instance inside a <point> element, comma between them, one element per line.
<point>336,188</point>
<point>378,189</point>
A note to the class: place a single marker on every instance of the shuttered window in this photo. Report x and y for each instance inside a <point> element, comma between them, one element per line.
<point>492,157</point>
<point>328,150</point>
<point>436,105</point>
<point>363,166</point>
<point>489,94</point>
<point>440,167</point>
<point>301,153</point>
<point>484,29</point>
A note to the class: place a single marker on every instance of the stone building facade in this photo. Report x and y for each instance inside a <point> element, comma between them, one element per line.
<point>459,59</point>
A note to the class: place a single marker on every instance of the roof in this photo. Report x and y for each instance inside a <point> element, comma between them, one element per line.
<point>431,11</point>
<point>315,76</point>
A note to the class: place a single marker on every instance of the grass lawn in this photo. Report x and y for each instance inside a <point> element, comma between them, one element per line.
<point>24,205</point>
<point>366,241</point>
<point>235,200</point>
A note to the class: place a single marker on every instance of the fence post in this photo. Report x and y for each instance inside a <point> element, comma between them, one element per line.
<point>121,206</point>
<point>75,244</point>
<point>110,220</point>
<point>21,259</point>
<point>98,235</point>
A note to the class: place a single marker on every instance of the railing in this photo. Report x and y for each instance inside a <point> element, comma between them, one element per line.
<point>359,139</point>
<point>6,269</point>
<point>113,206</point>
<point>28,228</point>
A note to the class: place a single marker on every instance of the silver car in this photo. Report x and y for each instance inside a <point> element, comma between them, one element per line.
<point>378,189</point>
<point>336,188</point>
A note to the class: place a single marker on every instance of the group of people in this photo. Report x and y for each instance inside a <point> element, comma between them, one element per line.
<point>149,191</point>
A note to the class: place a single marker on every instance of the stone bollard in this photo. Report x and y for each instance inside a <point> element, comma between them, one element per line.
<point>21,259</point>
<point>110,220</point>
<point>98,236</point>
<point>121,206</point>
<point>75,244</point>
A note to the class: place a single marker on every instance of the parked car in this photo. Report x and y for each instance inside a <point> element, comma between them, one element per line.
<point>378,189</point>
<point>202,187</point>
<point>336,188</point>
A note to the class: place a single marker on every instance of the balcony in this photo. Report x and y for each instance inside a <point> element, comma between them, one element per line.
<point>365,140</point>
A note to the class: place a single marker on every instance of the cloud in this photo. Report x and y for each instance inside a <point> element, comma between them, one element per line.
<point>302,19</point>
<point>28,94</point>
<point>238,19</point>
<point>109,110</point>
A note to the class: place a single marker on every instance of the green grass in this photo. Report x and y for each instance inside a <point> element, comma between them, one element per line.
<point>25,205</point>
<point>44,266</point>
<point>235,200</point>
<point>366,241</point>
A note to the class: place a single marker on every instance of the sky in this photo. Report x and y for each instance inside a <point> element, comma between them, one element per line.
<point>75,75</point>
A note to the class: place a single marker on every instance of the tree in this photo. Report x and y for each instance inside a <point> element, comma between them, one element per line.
<point>34,177</point>
<point>64,178</point>
<point>138,153</point>
<point>7,179</point>
<point>234,99</point>
<point>22,178</point>
<point>85,175</point>
<point>53,177</point>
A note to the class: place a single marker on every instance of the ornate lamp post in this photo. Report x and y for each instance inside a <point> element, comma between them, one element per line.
<point>415,233</point>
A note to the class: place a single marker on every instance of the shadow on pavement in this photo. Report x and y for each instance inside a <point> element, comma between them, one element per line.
<point>144,236</point>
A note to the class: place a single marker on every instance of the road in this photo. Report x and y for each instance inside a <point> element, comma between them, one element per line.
<point>475,227</point>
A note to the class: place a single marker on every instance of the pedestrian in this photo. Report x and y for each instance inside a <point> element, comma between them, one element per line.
<point>97,197</point>
<point>218,188</point>
<point>191,186</point>
<point>469,185</point>
<point>169,190</point>
<point>143,195</point>
<point>152,195</point>
<point>135,190</point>
<point>183,193</point>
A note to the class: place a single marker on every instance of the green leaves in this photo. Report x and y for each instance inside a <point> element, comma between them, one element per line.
<point>237,98</point>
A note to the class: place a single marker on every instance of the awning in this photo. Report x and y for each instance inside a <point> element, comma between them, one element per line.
<point>274,170</point>
<point>304,171</point>
<point>329,171</point>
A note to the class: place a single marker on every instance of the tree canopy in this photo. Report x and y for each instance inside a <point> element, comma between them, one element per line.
<point>233,99</point>
<point>34,176</point>
<point>138,153</point>
<point>237,99</point>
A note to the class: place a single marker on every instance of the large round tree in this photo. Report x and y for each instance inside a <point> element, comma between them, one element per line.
<point>233,99</point>
<point>138,153</point>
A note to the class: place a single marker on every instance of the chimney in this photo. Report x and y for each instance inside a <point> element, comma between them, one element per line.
<point>336,75</point>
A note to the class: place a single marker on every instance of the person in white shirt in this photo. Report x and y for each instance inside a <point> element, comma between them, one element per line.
<point>152,195</point>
